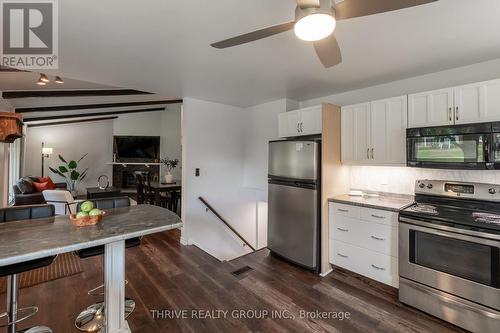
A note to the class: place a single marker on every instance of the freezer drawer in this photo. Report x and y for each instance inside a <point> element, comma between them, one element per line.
<point>294,159</point>
<point>293,224</point>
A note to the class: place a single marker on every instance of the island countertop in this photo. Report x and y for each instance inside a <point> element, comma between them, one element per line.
<point>26,240</point>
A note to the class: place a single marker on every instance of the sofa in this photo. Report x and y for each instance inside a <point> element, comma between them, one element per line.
<point>24,194</point>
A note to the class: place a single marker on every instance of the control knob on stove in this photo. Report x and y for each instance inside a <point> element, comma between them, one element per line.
<point>421,185</point>
<point>430,186</point>
<point>492,191</point>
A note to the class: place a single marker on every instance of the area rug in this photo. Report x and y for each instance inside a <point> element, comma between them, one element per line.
<point>64,265</point>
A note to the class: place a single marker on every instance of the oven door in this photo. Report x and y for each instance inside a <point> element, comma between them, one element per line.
<point>462,265</point>
<point>450,151</point>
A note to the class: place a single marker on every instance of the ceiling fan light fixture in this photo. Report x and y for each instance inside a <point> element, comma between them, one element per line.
<point>315,27</point>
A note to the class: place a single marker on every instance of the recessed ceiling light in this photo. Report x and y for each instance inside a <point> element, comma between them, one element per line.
<point>59,80</point>
<point>40,82</point>
<point>44,78</point>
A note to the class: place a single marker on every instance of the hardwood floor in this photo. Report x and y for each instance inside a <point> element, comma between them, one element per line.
<point>164,275</point>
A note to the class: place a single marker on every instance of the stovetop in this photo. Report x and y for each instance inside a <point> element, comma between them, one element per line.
<point>458,213</point>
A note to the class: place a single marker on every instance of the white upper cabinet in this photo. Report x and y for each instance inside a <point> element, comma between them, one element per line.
<point>471,103</point>
<point>375,133</point>
<point>432,108</point>
<point>300,122</point>
<point>478,102</point>
<point>355,133</point>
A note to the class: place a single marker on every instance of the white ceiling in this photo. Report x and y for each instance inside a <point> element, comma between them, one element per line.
<point>162,46</point>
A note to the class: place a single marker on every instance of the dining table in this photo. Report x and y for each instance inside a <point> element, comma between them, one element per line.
<point>26,240</point>
<point>158,188</point>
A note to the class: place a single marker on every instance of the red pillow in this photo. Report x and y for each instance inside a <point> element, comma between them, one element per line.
<point>50,183</point>
<point>40,187</point>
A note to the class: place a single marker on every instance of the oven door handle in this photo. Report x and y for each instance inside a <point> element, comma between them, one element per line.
<point>449,232</point>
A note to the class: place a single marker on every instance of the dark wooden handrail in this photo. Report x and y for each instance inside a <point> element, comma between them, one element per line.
<point>209,207</point>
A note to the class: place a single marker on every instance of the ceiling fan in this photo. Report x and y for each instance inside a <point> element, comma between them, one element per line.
<point>315,21</point>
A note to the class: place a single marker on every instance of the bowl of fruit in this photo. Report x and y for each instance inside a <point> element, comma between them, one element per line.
<point>88,215</point>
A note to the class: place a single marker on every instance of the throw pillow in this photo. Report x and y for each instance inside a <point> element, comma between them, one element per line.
<point>33,178</point>
<point>40,187</point>
<point>25,185</point>
<point>51,185</point>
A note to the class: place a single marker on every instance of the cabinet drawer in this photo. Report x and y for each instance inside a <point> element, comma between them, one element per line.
<point>377,266</point>
<point>379,238</point>
<point>344,228</point>
<point>344,210</point>
<point>379,216</point>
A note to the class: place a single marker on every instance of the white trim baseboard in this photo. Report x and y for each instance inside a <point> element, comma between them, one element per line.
<point>326,273</point>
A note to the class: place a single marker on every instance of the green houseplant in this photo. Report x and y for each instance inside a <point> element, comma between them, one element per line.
<point>69,171</point>
<point>170,164</point>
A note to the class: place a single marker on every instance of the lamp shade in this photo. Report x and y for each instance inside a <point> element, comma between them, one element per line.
<point>47,151</point>
<point>11,127</point>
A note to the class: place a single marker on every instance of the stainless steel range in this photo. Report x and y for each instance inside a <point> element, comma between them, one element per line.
<point>449,253</point>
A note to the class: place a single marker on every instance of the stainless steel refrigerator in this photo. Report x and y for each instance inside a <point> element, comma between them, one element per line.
<point>294,201</point>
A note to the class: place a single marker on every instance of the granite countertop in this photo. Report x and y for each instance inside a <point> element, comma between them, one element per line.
<point>386,201</point>
<point>33,239</point>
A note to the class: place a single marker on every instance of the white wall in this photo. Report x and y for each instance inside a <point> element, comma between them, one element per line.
<point>165,124</point>
<point>457,76</point>
<point>213,141</point>
<point>72,141</point>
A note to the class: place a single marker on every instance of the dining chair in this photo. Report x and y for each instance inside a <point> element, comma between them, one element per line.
<point>14,314</point>
<point>62,200</point>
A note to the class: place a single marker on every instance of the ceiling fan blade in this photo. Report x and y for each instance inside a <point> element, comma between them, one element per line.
<point>328,51</point>
<point>308,4</point>
<point>254,35</point>
<point>356,8</point>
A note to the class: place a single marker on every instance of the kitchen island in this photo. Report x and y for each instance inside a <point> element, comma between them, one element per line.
<point>26,240</point>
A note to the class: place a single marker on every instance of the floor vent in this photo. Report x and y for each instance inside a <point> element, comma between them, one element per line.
<point>242,270</point>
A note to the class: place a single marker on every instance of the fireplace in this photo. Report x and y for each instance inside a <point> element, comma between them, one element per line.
<point>124,176</point>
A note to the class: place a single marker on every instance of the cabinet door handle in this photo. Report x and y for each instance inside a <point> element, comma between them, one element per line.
<point>373,154</point>
<point>378,238</point>
<point>298,127</point>
<point>344,230</point>
<point>378,216</point>
<point>342,255</point>
<point>457,114</point>
<point>343,210</point>
<point>302,127</point>
<point>379,268</point>
<point>368,153</point>
<point>450,113</point>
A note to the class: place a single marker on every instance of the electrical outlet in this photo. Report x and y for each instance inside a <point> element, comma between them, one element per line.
<point>197,172</point>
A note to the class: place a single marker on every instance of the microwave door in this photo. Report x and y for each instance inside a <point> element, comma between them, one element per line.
<point>467,151</point>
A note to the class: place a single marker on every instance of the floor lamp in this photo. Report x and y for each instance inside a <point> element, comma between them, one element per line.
<point>46,152</point>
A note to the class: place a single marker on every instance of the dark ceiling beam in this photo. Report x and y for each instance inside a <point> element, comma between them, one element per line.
<point>72,93</point>
<point>95,106</point>
<point>93,114</point>
<point>72,121</point>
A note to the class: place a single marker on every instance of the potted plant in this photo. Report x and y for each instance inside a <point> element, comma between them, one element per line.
<point>69,171</point>
<point>170,164</point>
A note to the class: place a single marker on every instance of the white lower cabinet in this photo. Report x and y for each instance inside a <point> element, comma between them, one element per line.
<point>365,241</point>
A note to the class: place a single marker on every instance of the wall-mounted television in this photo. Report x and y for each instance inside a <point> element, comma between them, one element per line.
<point>143,147</point>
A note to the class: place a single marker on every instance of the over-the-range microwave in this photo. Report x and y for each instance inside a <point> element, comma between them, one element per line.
<point>473,146</point>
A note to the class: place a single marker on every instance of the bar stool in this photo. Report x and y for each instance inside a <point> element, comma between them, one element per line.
<point>14,314</point>
<point>92,318</point>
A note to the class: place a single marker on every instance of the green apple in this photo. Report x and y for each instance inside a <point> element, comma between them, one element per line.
<point>82,214</point>
<point>86,206</point>
<point>95,212</point>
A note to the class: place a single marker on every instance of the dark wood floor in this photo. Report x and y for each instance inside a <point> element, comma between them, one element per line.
<point>163,274</point>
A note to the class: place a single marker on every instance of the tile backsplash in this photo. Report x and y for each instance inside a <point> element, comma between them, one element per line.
<point>402,179</point>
